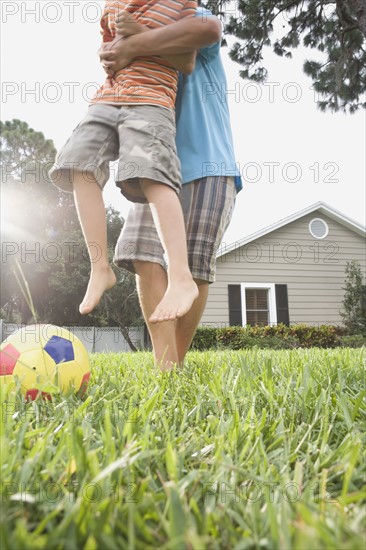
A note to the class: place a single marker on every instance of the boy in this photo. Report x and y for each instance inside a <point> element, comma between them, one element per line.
<point>132,118</point>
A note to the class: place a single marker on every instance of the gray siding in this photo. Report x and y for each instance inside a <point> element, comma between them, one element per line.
<point>313,269</point>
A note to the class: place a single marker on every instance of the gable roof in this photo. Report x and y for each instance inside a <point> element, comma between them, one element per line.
<point>320,206</point>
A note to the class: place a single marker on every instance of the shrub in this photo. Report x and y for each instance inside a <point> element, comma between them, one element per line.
<point>233,338</point>
<point>353,341</point>
<point>354,301</point>
<point>205,338</point>
<point>275,337</point>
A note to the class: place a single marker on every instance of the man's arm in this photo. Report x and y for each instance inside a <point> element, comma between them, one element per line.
<point>180,37</point>
<point>184,36</point>
<point>127,26</point>
<point>182,62</point>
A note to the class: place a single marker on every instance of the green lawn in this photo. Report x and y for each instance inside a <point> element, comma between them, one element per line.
<point>250,449</point>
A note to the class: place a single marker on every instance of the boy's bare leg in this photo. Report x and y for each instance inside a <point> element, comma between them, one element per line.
<point>152,282</point>
<point>91,211</point>
<point>187,325</point>
<point>168,218</point>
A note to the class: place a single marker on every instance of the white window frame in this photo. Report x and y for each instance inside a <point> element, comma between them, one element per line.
<point>271,301</point>
<point>326,228</point>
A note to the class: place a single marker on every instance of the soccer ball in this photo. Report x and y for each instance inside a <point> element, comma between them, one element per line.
<point>44,356</point>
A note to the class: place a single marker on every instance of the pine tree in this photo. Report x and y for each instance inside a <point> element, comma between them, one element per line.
<point>337,29</point>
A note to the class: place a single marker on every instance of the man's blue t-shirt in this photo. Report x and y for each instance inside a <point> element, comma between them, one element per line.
<point>204,140</point>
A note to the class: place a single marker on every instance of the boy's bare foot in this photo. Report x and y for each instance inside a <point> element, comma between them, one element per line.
<point>101,279</point>
<point>177,300</point>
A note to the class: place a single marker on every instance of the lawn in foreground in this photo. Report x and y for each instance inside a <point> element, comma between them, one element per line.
<point>248,449</point>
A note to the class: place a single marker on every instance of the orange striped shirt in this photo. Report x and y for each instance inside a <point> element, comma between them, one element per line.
<point>147,80</point>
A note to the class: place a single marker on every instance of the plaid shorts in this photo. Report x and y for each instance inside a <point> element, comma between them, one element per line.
<point>142,137</point>
<point>207,208</point>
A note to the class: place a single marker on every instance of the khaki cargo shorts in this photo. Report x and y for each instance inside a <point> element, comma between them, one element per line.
<point>142,137</point>
<point>207,205</point>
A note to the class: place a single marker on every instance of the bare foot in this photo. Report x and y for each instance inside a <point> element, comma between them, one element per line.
<point>101,279</point>
<point>177,301</point>
<point>167,366</point>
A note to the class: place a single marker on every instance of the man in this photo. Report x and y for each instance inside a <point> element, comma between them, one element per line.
<point>210,177</point>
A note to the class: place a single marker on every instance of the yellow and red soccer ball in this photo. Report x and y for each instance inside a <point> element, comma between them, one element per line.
<point>40,355</point>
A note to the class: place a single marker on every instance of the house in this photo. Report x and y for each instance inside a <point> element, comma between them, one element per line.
<point>291,272</point>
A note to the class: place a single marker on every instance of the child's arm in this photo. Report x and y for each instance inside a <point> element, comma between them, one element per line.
<point>107,38</point>
<point>105,30</point>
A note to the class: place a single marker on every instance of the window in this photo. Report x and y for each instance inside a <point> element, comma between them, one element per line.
<point>318,228</point>
<point>257,309</point>
<point>258,303</point>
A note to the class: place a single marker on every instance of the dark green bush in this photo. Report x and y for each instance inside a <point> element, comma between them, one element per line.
<point>324,336</point>
<point>275,337</point>
<point>233,338</point>
<point>205,338</point>
<point>353,341</point>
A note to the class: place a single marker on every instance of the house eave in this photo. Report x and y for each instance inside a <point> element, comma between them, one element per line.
<point>319,206</point>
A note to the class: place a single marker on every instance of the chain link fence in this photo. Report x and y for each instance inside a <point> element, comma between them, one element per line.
<point>95,339</point>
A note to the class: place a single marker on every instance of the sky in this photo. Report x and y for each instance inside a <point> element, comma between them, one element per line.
<point>290,154</point>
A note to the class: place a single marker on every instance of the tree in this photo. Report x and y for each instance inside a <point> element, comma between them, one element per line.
<point>29,203</point>
<point>35,216</point>
<point>354,301</point>
<point>68,281</point>
<point>120,306</point>
<point>40,230</point>
<point>336,29</point>
<point>22,147</point>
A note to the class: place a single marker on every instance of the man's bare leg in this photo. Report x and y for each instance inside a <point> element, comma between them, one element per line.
<point>168,218</point>
<point>187,325</point>
<point>152,282</point>
<point>171,340</point>
<point>91,211</point>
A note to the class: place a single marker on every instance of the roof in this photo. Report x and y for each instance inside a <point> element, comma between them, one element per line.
<point>319,206</point>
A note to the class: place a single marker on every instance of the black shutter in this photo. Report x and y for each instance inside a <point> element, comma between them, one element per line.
<point>282,304</point>
<point>235,313</point>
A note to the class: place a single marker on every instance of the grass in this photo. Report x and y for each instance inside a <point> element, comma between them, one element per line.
<point>253,449</point>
